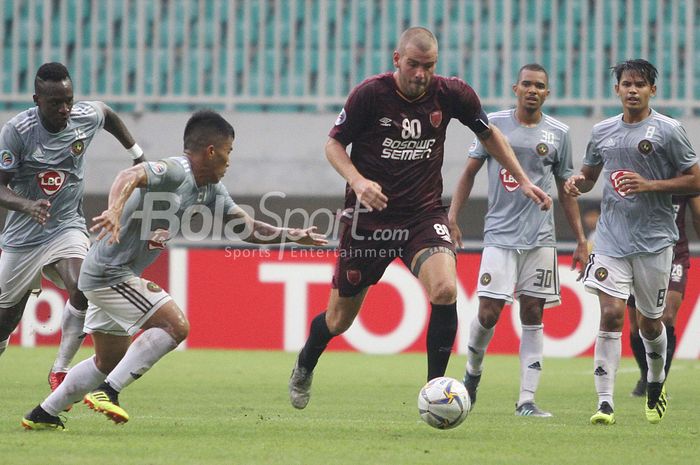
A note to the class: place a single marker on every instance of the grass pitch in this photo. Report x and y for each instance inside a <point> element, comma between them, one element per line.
<point>228,407</point>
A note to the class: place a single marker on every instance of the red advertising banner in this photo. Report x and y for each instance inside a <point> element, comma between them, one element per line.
<point>265,299</point>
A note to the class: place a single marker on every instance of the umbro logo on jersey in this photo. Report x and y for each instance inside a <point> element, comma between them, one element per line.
<point>51,181</point>
<point>386,122</point>
<point>600,371</point>
<point>508,180</point>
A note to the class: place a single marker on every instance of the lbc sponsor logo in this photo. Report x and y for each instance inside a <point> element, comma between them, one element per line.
<point>508,180</point>
<point>51,181</point>
<point>617,182</point>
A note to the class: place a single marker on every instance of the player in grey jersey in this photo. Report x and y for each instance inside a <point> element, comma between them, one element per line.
<point>121,302</point>
<point>643,157</point>
<point>42,167</point>
<point>519,257</point>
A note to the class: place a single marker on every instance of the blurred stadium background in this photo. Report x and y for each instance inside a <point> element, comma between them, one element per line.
<point>281,70</point>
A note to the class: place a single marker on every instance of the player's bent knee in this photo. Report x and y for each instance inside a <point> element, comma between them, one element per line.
<point>443,294</point>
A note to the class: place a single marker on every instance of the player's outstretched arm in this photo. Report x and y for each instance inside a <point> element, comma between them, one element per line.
<point>259,232</point>
<point>109,221</point>
<point>498,147</point>
<point>584,181</point>
<point>115,126</point>
<point>460,196</point>
<point>369,193</point>
<point>573,216</point>
<point>38,209</point>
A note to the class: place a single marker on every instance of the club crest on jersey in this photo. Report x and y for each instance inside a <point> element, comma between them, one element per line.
<point>158,168</point>
<point>485,279</point>
<point>617,182</point>
<point>386,122</point>
<point>354,276</point>
<point>542,149</point>
<point>158,239</point>
<point>645,147</point>
<point>7,159</point>
<point>77,147</point>
<point>508,180</point>
<point>601,274</point>
<point>436,118</point>
<point>51,181</point>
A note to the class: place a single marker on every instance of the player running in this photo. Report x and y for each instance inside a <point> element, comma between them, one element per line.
<point>396,123</point>
<point>42,171</point>
<point>131,237</point>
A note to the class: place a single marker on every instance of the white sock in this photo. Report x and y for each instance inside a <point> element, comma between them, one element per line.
<point>656,357</point>
<point>531,344</point>
<point>143,353</point>
<point>81,379</point>
<point>3,345</point>
<point>608,349</point>
<point>71,337</point>
<point>479,338</point>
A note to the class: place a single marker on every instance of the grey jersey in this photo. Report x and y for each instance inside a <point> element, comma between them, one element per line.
<point>656,148</point>
<point>513,221</point>
<point>47,166</point>
<point>171,192</point>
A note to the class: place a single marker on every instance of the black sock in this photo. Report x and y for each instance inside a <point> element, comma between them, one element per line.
<point>319,337</point>
<point>442,330</point>
<point>670,348</point>
<point>639,353</point>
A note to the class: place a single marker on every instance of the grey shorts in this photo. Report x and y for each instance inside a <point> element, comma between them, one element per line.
<point>644,275</point>
<point>21,271</point>
<point>122,309</point>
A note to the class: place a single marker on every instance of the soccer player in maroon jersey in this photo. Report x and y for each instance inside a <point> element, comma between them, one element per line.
<point>396,123</point>
<point>677,283</point>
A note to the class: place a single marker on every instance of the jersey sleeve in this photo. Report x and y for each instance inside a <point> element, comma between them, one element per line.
<point>164,175</point>
<point>592,156</point>
<point>680,149</point>
<point>564,167</point>
<point>355,115</point>
<point>10,149</point>
<point>98,117</point>
<point>466,106</point>
<point>220,194</point>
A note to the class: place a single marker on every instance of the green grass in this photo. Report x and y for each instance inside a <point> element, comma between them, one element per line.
<point>227,407</point>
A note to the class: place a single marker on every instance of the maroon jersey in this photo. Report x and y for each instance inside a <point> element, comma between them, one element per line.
<point>399,144</point>
<point>681,253</point>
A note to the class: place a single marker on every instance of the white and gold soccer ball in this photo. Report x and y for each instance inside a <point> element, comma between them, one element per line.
<point>443,403</point>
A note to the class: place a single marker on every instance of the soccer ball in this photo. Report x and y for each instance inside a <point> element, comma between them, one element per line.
<point>443,403</point>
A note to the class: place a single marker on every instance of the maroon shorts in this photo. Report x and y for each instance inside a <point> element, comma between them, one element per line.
<point>679,275</point>
<point>364,255</point>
